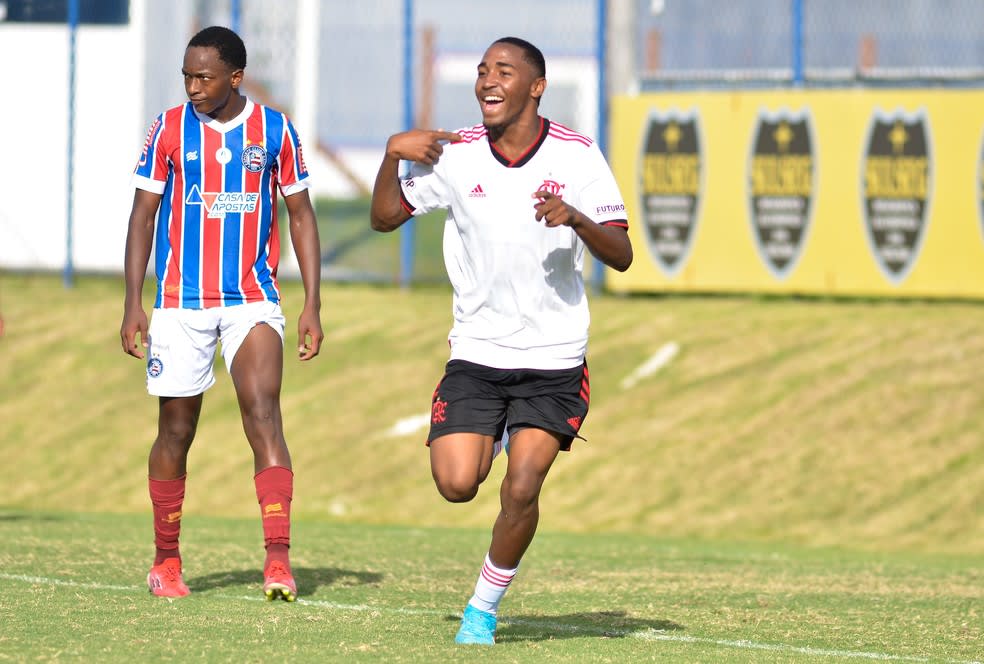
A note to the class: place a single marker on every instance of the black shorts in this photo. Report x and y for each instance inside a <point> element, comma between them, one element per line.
<point>472,398</point>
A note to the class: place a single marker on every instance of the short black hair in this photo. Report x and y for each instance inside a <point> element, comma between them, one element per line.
<point>230,46</point>
<point>531,54</point>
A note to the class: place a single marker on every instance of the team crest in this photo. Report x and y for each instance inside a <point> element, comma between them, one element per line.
<point>895,184</point>
<point>553,187</point>
<point>781,177</point>
<point>254,158</point>
<point>155,367</point>
<point>670,186</point>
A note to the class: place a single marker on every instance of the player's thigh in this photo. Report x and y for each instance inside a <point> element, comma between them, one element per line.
<point>253,348</point>
<point>177,418</point>
<point>552,400</point>
<point>532,452</point>
<point>180,352</point>
<point>467,414</point>
<point>462,459</point>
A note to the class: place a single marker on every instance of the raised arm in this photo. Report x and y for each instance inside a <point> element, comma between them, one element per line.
<point>420,145</point>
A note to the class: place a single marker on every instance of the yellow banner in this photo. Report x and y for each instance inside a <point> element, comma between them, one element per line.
<point>840,192</point>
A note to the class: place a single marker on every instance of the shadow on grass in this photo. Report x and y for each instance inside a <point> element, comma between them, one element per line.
<point>309,579</point>
<point>27,516</point>
<point>599,624</point>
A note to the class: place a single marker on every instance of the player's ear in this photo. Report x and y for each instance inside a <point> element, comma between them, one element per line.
<point>237,77</point>
<point>538,88</point>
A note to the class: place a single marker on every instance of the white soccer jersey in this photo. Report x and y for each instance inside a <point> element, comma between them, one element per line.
<point>519,298</point>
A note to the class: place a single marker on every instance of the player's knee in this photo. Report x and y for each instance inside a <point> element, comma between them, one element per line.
<point>177,435</point>
<point>260,415</point>
<point>456,489</point>
<point>522,492</point>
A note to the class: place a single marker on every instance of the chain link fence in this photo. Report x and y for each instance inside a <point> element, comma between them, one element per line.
<point>814,42</point>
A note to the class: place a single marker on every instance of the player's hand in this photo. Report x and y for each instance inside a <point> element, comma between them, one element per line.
<point>421,145</point>
<point>552,210</point>
<point>134,323</point>
<point>309,335</point>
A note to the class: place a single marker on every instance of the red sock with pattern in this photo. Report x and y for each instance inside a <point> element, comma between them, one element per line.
<point>167,496</point>
<point>274,491</point>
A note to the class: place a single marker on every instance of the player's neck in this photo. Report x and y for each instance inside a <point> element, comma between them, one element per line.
<point>516,139</point>
<point>231,109</point>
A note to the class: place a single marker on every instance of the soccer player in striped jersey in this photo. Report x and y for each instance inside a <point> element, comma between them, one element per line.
<point>209,175</point>
<point>525,196</point>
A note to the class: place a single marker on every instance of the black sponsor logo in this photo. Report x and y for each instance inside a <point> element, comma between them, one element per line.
<point>895,185</point>
<point>781,187</point>
<point>671,186</point>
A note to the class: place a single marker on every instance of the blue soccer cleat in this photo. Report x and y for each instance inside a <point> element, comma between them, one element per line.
<point>477,627</point>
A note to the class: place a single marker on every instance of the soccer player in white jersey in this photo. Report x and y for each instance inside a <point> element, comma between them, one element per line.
<point>210,173</point>
<point>524,197</point>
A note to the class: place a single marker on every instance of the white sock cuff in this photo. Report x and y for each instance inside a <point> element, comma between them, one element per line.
<point>499,570</point>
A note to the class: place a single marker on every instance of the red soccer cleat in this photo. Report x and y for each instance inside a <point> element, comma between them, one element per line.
<point>165,579</point>
<point>278,582</point>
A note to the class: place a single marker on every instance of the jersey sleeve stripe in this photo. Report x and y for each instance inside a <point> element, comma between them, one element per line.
<point>406,203</point>
<point>564,134</point>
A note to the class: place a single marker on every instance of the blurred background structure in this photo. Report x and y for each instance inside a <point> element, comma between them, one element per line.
<point>85,78</point>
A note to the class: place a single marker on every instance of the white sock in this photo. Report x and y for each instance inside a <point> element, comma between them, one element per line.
<point>492,585</point>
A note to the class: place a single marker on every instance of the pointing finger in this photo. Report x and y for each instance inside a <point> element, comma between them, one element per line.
<point>451,136</point>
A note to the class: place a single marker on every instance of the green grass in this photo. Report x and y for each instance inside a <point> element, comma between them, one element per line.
<point>351,250</point>
<point>806,478</point>
<point>74,590</point>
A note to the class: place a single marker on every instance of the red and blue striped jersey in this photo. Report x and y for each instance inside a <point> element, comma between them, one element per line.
<point>217,240</point>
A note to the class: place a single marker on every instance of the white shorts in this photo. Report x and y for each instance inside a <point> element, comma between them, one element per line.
<point>182,344</point>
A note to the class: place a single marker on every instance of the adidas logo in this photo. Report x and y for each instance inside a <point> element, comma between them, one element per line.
<point>575,422</point>
<point>477,192</point>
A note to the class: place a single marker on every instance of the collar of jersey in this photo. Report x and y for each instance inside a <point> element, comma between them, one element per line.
<point>223,127</point>
<point>526,156</point>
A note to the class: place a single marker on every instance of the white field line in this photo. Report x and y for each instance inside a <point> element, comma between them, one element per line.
<point>408,425</point>
<point>645,634</point>
<point>660,359</point>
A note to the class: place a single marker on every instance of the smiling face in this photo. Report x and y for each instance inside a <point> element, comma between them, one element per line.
<point>508,88</point>
<point>211,84</point>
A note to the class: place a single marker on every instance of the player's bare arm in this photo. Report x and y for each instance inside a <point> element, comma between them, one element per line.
<point>307,247</point>
<point>420,145</point>
<point>139,242</point>
<point>609,244</point>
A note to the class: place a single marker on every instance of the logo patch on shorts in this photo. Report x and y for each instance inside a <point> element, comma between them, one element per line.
<point>155,367</point>
<point>438,411</point>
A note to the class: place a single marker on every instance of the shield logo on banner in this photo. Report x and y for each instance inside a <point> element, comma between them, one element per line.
<point>781,187</point>
<point>895,185</point>
<point>670,185</point>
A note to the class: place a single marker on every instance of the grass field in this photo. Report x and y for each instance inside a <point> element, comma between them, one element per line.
<point>74,590</point>
<point>803,482</point>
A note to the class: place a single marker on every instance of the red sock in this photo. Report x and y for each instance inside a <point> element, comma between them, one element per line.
<point>167,497</point>
<point>275,490</point>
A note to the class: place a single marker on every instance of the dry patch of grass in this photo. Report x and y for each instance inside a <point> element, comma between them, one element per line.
<point>850,423</point>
